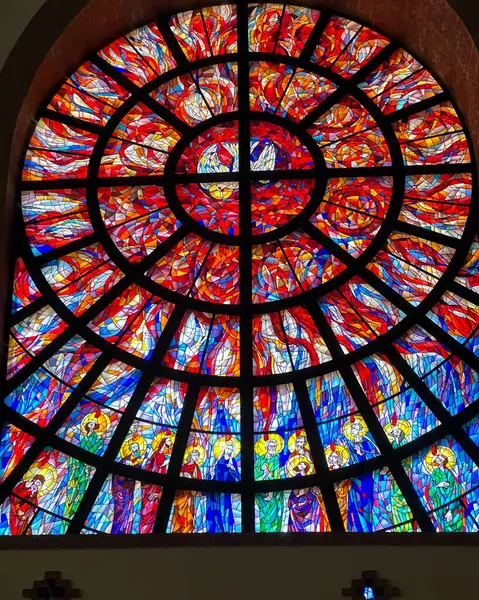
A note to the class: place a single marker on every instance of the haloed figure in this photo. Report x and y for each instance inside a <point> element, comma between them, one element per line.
<point>159,460</point>
<point>267,466</point>
<point>398,436</point>
<point>335,460</point>
<point>441,489</point>
<point>226,467</point>
<point>360,443</point>
<point>191,469</point>
<point>219,510</point>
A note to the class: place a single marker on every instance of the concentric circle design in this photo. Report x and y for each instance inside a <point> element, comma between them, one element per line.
<point>247,256</point>
<point>215,204</point>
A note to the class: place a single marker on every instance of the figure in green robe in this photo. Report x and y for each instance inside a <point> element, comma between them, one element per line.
<point>400,511</point>
<point>401,514</point>
<point>267,466</point>
<point>270,509</point>
<point>443,488</point>
<point>80,473</point>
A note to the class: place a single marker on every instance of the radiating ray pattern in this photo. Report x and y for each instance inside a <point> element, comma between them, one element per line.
<point>244,294</point>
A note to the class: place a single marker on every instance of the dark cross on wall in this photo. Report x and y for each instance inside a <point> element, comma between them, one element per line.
<point>52,587</point>
<point>371,587</point>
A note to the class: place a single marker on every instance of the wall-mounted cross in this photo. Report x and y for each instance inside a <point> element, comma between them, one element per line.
<point>52,587</point>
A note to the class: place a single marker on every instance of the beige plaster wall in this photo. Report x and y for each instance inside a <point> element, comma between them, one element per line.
<point>315,573</point>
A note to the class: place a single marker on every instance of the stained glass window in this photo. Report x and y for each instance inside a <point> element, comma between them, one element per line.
<point>245,295</point>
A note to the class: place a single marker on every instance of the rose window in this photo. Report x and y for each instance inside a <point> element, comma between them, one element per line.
<point>246,292</point>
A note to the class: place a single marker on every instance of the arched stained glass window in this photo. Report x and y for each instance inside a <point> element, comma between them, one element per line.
<point>246,292</point>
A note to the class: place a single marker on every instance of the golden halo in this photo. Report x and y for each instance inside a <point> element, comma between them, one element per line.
<point>294,462</point>
<point>347,427</point>
<point>221,191</point>
<point>220,444</point>
<point>201,451</point>
<point>292,440</point>
<point>155,442</point>
<point>444,451</point>
<point>260,444</point>
<point>125,447</point>
<point>340,450</point>
<point>102,419</point>
<point>49,474</point>
<point>404,426</point>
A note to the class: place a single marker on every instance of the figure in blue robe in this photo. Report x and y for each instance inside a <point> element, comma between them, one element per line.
<point>224,421</point>
<point>360,505</point>
<point>361,447</point>
<point>219,509</point>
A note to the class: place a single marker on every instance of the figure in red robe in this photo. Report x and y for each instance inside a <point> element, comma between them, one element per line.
<point>158,462</point>
<point>191,469</point>
<point>183,517</point>
<point>23,505</point>
<point>150,498</point>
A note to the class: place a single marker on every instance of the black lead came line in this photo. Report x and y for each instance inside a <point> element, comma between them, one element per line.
<point>126,420</point>
<point>174,480</point>
<point>246,278</point>
<point>79,324</point>
<point>393,462</point>
<point>45,436</point>
<point>326,484</point>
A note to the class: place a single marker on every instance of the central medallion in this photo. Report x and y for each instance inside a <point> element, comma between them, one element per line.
<point>212,160</point>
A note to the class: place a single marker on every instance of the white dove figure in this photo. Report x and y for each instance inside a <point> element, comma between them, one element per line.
<point>266,160</point>
<point>210,161</point>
